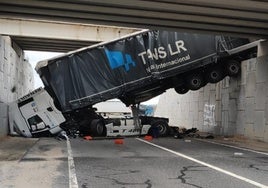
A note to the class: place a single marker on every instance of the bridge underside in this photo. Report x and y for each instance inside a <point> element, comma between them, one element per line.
<point>42,35</point>
<point>46,44</point>
<point>244,18</point>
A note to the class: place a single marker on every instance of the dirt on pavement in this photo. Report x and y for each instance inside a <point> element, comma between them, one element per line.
<point>14,148</point>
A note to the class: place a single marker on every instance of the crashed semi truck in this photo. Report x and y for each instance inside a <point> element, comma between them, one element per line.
<point>133,68</point>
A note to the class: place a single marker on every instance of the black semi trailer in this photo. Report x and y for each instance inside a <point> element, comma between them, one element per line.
<point>136,68</point>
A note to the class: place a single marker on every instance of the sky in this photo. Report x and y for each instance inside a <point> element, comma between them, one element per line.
<point>34,57</point>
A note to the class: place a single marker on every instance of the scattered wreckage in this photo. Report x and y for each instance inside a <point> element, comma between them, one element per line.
<point>192,133</point>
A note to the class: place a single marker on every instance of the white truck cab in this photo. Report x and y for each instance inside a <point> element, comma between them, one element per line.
<point>35,115</point>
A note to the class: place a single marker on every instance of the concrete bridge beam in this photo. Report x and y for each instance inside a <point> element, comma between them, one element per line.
<point>61,30</point>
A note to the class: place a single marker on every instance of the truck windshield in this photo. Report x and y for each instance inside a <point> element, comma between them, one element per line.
<point>36,123</point>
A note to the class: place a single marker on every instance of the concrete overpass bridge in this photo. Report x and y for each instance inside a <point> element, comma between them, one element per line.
<point>65,25</point>
<point>240,17</point>
<point>68,20</point>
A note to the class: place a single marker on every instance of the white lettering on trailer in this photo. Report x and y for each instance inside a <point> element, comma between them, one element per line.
<point>142,57</point>
<point>161,52</point>
<point>179,45</point>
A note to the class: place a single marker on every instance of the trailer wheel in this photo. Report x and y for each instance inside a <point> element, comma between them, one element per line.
<point>181,89</point>
<point>162,127</point>
<point>97,128</point>
<point>214,75</point>
<point>195,81</point>
<point>233,68</point>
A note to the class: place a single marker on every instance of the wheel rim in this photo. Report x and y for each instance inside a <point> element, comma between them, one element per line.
<point>196,82</point>
<point>161,128</point>
<point>99,128</point>
<point>214,75</point>
<point>234,69</point>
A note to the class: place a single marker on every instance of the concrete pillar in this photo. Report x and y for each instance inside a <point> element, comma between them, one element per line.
<point>3,119</point>
<point>263,49</point>
<point>16,78</point>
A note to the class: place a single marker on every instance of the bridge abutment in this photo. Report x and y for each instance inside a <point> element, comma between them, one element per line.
<point>16,78</point>
<point>234,106</point>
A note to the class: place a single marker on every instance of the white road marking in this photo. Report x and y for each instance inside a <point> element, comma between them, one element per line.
<point>245,149</point>
<point>72,175</point>
<point>207,165</point>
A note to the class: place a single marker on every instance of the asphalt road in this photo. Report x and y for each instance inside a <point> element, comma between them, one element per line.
<point>102,163</point>
<point>167,163</point>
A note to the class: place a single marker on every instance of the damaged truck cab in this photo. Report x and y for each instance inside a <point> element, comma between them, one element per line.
<point>35,115</point>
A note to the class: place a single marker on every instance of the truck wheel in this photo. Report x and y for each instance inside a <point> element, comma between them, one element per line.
<point>214,75</point>
<point>97,128</point>
<point>162,127</point>
<point>233,68</point>
<point>181,90</point>
<point>195,81</point>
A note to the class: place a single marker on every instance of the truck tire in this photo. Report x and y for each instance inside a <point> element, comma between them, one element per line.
<point>195,81</point>
<point>233,68</point>
<point>162,127</point>
<point>97,128</point>
<point>214,74</point>
<point>181,89</point>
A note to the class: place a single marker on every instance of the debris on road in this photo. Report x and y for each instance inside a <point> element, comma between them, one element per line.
<point>238,154</point>
<point>180,133</point>
<point>119,141</point>
<point>88,138</point>
<point>148,138</point>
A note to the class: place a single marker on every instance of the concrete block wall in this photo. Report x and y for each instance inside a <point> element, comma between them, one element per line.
<point>16,78</point>
<point>234,106</point>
